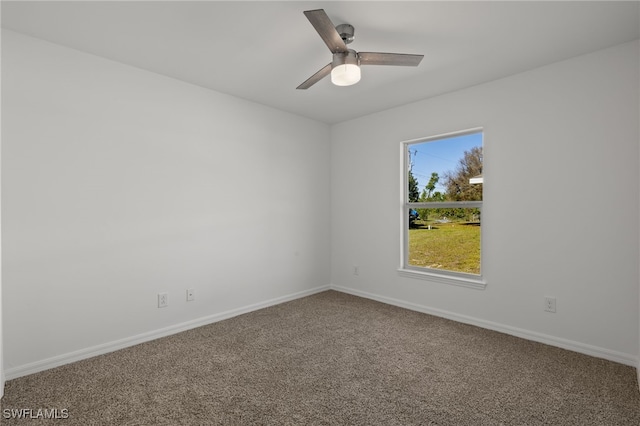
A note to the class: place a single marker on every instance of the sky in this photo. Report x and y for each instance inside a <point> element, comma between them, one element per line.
<point>440,156</point>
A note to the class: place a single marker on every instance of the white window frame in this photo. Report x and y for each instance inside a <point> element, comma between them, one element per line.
<point>430,274</point>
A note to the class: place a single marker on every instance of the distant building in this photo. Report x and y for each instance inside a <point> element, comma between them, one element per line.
<point>476,179</point>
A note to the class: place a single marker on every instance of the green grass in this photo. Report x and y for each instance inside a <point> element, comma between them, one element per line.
<point>452,246</point>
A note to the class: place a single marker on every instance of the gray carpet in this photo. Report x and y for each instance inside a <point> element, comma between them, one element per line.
<point>334,359</point>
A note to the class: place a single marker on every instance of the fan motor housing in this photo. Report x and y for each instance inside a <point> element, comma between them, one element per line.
<point>348,57</point>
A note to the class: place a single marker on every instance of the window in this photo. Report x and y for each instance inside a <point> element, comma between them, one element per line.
<point>442,208</point>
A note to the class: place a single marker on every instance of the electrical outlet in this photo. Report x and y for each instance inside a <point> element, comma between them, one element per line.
<point>163,300</point>
<point>191,295</point>
<point>550,304</point>
<point>356,270</point>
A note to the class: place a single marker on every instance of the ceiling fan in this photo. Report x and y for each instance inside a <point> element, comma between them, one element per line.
<point>345,67</point>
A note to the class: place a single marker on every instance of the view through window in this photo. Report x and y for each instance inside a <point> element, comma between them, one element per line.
<point>443,203</point>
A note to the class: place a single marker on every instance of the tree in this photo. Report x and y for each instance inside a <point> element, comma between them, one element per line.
<point>457,183</point>
<point>429,195</point>
<point>458,187</point>
<point>414,194</point>
<point>429,187</point>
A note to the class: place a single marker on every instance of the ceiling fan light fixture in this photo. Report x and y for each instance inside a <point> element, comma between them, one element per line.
<point>345,68</point>
<point>345,75</point>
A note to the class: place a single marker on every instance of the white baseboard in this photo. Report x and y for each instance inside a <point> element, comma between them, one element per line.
<point>46,364</point>
<point>620,357</point>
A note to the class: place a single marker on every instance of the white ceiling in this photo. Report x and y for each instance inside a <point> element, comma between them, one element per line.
<point>261,51</point>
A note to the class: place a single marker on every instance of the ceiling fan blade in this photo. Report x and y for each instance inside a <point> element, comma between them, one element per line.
<point>326,29</point>
<point>376,58</point>
<point>316,77</point>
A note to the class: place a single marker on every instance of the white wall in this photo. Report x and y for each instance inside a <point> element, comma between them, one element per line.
<point>2,378</point>
<point>118,184</point>
<point>560,216</point>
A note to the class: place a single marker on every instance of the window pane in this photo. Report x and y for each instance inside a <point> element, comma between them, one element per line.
<point>446,169</point>
<point>445,239</point>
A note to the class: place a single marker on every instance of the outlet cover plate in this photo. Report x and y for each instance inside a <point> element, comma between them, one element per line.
<point>550,304</point>
<point>163,300</point>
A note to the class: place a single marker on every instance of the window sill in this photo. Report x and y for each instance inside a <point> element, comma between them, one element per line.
<point>461,281</point>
